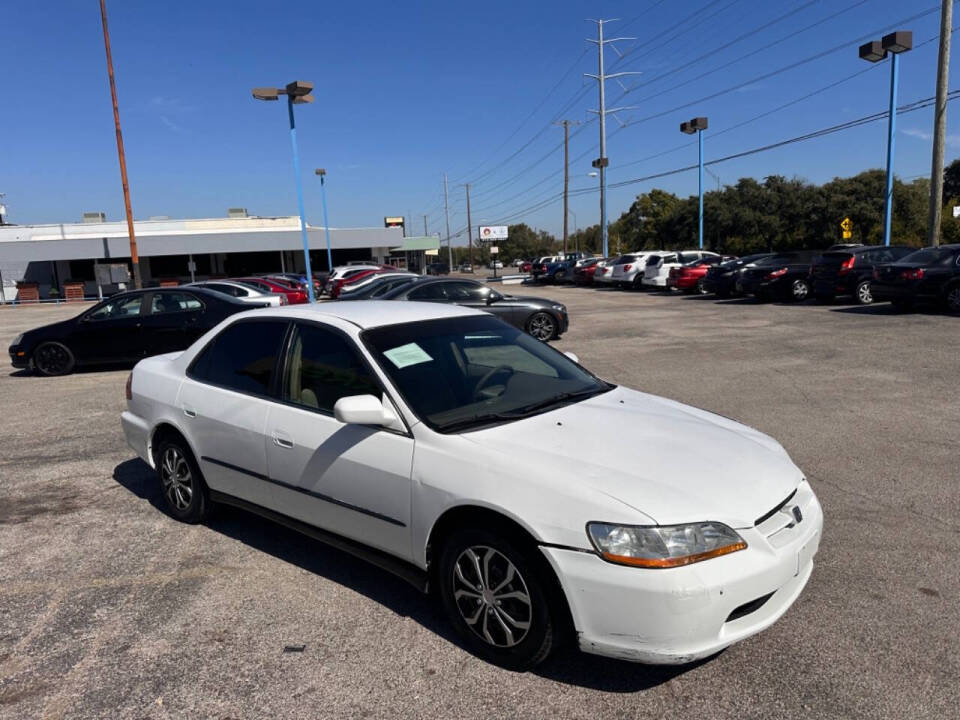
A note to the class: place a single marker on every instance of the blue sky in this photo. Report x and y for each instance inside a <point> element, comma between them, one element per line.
<point>408,91</point>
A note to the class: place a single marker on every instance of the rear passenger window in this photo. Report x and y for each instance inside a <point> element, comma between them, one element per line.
<point>243,357</point>
<point>433,291</point>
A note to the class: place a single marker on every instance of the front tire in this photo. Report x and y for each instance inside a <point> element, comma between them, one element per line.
<point>53,358</point>
<point>181,482</point>
<point>542,326</point>
<point>495,593</point>
<point>952,299</point>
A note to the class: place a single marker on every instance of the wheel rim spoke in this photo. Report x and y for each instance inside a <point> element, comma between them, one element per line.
<point>496,606</point>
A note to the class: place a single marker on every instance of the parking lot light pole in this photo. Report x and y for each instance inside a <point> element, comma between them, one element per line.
<point>875,51</point>
<point>326,225</point>
<point>298,93</point>
<point>698,125</point>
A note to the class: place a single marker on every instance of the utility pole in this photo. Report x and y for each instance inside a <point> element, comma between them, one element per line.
<point>940,123</point>
<point>602,162</point>
<point>469,229</point>
<point>446,214</point>
<point>134,256</point>
<point>425,226</point>
<point>566,175</point>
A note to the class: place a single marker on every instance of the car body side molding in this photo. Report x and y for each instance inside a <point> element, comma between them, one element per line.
<point>402,569</point>
<point>311,493</point>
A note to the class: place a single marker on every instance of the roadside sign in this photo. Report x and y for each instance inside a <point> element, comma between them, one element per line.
<point>493,232</point>
<point>494,249</point>
<point>847,226</point>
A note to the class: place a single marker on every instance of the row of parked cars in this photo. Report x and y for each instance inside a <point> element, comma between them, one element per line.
<point>132,325</point>
<point>865,274</point>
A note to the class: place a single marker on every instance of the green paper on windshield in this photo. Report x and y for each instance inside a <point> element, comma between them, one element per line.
<point>406,355</point>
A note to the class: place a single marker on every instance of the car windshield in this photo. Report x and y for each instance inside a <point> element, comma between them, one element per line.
<point>464,373</point>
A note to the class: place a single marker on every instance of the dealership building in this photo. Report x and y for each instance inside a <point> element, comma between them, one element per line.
<point>95,252</point>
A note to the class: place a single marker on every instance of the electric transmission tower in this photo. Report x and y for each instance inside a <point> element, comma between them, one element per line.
<point>601,162</point>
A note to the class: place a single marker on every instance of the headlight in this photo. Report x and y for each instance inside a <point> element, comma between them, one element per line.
<point>17,339</point>
<point>663,546</point>
<point>560,308</point>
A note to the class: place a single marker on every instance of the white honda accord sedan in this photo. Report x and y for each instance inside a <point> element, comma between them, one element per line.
<point>538,501</point>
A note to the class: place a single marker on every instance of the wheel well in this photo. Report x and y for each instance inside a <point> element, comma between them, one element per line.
<point>165,431</point>
<point>475,516</point>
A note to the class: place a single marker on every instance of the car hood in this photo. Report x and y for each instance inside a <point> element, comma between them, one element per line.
<point>671,462</point>
<point>53,330</point>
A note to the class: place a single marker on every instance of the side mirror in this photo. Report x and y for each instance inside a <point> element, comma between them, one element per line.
<point>492,297</point>
<point>573,357</point>
<point>362,410</point>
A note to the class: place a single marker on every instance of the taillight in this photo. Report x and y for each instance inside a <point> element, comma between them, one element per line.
<point>776,273</point>
<point>847,265</point>
<point>914,274</point>
<point>627,267</point>
<point>129,388</point>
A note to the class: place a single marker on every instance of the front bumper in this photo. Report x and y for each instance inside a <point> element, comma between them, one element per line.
<point>19,357</point>
<point>679,615</point>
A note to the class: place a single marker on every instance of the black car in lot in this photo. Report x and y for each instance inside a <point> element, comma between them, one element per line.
<point>544,319</point>
<point>125,328</point>
<point>782,276</point>
<point>721,279</point>
<point>930,275</point>
<point>850,271</point>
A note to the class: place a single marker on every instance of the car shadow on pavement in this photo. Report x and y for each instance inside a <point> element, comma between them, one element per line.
<point>567,665</point>
<point>880,309</point>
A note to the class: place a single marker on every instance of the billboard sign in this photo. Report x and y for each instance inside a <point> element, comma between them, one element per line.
<point>493,232</point>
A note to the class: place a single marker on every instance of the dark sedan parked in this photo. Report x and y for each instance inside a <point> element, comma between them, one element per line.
<point>850,271</point>
<point>929,275</point>
<point>124,328</point>
<point>782,276</point>
<point>544,319</point>
<point>722,279</point>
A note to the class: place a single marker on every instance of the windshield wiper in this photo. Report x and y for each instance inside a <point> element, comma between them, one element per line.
<point>528,410</point>
<point>484,419</point>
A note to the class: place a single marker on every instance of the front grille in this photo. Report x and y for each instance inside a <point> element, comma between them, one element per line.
<point>748,608</point>
<point>767,516</point>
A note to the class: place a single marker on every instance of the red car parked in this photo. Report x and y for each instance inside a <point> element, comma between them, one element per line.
<point>295,296</point>
<point>526,266</point>
<point>689,278</point>
<point>583,275</point>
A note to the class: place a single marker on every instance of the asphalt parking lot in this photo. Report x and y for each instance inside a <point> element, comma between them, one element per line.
<point>109,608</point>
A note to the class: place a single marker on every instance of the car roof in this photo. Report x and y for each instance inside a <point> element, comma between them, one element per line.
<point>370,313</point>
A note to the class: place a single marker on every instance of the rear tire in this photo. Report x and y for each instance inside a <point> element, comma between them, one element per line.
<point>799,291</point>
<point>701,288</point>
<point>53,358</point>
<point>497,595</point>
<point>863,294</point>
<point>182,485</point>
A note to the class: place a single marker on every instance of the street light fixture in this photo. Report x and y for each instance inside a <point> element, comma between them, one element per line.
<point>698,125</point>
<point>326,225</point>
<point>874,51</point>
<point>298,93</point>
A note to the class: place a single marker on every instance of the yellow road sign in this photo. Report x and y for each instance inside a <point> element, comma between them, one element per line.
<point>847,234</point>
<point>846,225</point>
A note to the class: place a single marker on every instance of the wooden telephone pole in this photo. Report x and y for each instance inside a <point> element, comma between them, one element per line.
<point>566,176</point>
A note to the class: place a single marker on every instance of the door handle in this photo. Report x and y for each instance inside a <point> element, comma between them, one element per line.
<point>281,440</point>
<point>189,413</point>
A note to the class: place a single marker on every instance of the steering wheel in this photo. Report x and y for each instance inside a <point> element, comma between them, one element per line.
<point>486,378</point>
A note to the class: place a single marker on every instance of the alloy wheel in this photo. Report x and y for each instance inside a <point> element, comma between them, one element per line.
<point>542,326</point>
<point>864,293</point>
<point>176,478</point>
<point>492,596</point>
<point>53,359</point>
<point>800,290</point>
<point>701,288</point>
<point>953,299</point>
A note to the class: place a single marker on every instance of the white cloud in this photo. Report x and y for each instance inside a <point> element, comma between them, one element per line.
<point>952,140</point>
